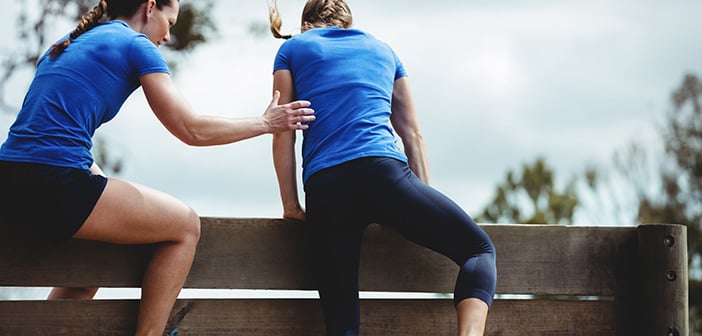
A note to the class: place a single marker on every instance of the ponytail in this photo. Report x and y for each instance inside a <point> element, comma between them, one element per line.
<point>316,14</point>
<point>276,21</point>
<point>87,22</point>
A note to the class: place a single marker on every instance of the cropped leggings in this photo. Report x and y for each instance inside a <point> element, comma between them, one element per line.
<point>342,201</point>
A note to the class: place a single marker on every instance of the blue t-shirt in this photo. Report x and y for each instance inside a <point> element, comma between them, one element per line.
<point>73,94</point>
<point>348,76</point>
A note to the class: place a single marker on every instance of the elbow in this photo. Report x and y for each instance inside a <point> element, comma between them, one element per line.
<point>413,142</point>
<point>192,136</point>
<point>413,136</point>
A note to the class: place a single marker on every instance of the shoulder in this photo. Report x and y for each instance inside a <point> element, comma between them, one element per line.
<point>118,33</point>
<point>114,30</point>
<point>373,39</point>
<point>134,48</point>
<point>297,43</point>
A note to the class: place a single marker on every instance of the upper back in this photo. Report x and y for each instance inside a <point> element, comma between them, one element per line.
<point>348,76</point>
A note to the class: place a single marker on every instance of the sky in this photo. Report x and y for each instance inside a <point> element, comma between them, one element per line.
<point>496,85</point>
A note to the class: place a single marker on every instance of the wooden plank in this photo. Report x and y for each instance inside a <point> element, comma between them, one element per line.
<point>75,264</point>
<point>272,254</point>
<point>568,260</point>
<point>292,317</point>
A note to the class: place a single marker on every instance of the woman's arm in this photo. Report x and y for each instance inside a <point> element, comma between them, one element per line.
<point>284,153</point>
<point>404,121</point>
<point>178,117</point>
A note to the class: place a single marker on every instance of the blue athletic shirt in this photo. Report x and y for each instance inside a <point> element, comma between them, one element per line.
<point>348,76</point>
<point>73,94</point>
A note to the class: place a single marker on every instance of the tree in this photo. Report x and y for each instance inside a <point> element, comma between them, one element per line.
<point>667,186</point>
<point>533,189</point>
<point>681,178</point>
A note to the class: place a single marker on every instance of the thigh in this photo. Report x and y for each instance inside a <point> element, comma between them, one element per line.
<point>335,198</point>
<point>130,213</point>
<point>336,218</point>
<point>426,216</point>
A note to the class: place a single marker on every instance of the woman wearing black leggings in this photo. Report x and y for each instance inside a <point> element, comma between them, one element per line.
<point>355,172</point>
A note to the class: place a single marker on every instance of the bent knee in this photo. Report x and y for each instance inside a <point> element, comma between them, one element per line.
<point>194,226</point>
<point>190,228</point>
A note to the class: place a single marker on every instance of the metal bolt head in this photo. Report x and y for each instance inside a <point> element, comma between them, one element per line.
<point>669,241</point>
<point>671,275</point>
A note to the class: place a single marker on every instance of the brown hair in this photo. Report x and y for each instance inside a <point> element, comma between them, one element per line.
<point>317,13</point>
<point>96,15</point>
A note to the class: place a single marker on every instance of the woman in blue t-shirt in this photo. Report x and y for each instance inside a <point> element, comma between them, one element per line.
<point>355,173</point>
<point>53,188</point>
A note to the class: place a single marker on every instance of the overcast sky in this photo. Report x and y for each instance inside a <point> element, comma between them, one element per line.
<point>496,83</point>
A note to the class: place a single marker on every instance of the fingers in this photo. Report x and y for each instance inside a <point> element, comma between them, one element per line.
<point>290,116</point>
<point>299,114</point>
<point>276,98</point>
<point>302,114</point>
<point>302,117</point>
<point>297,104</point>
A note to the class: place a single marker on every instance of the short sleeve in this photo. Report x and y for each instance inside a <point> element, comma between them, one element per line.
<point>282,58</point>
<point>399,67</point>
<point>145,57</point>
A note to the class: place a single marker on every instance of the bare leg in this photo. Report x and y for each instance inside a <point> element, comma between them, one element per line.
<point>472,315</point>
<point>162,283</point>
<point>128,213</point>
<point>72,293</point>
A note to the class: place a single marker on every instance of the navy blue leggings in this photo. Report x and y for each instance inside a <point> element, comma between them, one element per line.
<point>343,200</point>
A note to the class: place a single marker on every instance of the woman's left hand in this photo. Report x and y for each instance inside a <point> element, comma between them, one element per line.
<point>297,214</point>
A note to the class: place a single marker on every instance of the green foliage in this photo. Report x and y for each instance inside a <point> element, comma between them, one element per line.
<point>533,189</point>
<point>680,175</point>
<point>675,173</point>
<point>192,29</point>
<point>683,142</point>
<point>193,26</point>
<point>682,180</point>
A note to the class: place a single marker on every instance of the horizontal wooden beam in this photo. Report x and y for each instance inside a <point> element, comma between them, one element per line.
<point>624,273</point>
<point>245,253</point>
<point>304,318</point>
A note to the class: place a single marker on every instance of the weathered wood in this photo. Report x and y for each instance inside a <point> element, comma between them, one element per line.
<point>292,317</point>
<point>663,278</point>
<point>622,271</point>
<point>563,260</point>
<point>271,254</point>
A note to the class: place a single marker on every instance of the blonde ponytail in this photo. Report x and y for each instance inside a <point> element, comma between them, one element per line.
<point>316,14</point>
<point>276,21</point>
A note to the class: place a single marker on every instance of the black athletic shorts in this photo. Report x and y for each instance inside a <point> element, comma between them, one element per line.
<point>46,203</point>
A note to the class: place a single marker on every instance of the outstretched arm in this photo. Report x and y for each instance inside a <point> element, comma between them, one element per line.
<point>284,152</point>
<point>404,121</point>
<point>178,117</point>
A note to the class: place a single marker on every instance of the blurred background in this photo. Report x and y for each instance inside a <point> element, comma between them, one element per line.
<point>540,112</point>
